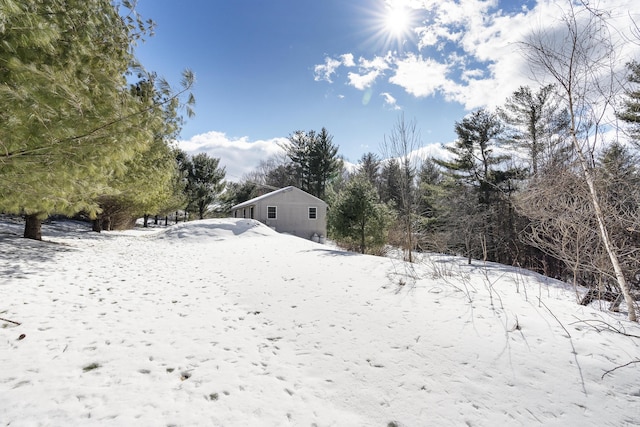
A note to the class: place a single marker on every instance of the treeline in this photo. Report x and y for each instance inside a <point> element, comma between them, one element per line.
<point>85,128</point>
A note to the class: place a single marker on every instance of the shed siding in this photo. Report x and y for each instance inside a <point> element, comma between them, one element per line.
<point>292,212</point>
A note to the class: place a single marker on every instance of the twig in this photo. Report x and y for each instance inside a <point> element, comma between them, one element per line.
<point>609,327</point>
<point>10,321</point>
<point>618,367</point>
<point>575,353</point>
<point>559,322</point>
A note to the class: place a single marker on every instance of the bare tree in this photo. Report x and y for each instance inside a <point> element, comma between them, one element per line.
<point>403,144</point>
<point>562,223</point>
<point>580,56</point>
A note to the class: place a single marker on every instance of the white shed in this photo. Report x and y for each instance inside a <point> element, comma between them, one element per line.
<point>287,210</point>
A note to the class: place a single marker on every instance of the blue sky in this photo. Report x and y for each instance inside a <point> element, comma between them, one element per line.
<point>266,68</point>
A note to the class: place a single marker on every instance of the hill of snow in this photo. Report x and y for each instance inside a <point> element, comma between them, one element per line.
<point>227,323</point>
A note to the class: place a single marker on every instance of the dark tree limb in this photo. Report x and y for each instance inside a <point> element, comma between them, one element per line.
<point>618,367</point>
<point>9,321</point>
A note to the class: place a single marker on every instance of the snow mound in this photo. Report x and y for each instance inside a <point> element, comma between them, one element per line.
<point>216,229</point>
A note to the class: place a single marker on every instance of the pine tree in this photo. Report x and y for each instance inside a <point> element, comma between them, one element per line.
<point>618,177</point>
<point>427,193</point>
<point>150,181</point>
<point>298,150</point>
<point>236,193</point>
<point>535,123</point>
<point>205,182</point>
<point>631,111</point>
<point>369,166</point>
<point>358,218</point>
<point>314,160</point>
<point>67,118</point>
<point>473,170</point>
<point>390,184</point>
<point>324,163</point>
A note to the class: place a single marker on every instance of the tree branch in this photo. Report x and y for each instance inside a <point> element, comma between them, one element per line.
<point>10,321</point>
<point>618,367</point>
<point>10,155</point>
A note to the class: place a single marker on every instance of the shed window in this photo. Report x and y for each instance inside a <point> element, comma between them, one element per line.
<point>313,213</point>
<point>271,212</point>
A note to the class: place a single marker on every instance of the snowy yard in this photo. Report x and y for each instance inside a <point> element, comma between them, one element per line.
<point>227,323</point>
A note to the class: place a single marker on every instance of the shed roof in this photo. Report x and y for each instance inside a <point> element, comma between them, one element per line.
<point>273,193</point>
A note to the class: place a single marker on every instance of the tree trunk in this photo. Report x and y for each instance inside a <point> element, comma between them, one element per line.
<point>145,223</point>
<point>96,225</point>
<point>604,234</point>
<point>409,237</point>
<point>33,227</point>
<point>106,223</point>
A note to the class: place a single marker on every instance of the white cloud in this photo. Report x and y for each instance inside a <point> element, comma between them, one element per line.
<point>362,82</point>
<point>238,155</point>
<point>326,70</point>
<point>369,71</point>
<point>379,63</point>
<point>419,76</point>
<point>468,75</point>
<point>347,60</point>
<point>390,101</point>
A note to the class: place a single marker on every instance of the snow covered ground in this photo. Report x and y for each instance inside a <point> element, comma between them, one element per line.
<point>227,323</point>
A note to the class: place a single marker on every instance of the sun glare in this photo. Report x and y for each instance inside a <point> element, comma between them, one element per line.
<point>392,24</point>
<point>397,21</point>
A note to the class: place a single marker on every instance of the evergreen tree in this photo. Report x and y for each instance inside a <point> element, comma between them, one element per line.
<point>357,218</point>
<point>324,163</point>
<point>369,166</point>
<point>298,150</point>
<point>282,176</point>
<point>618,176</point>
<point>391,183</point>
<point>314,161</point>
<point>205,182</point>
<point>619,173</point>
<point>474,167</point>
<point>236,193</point>
<point>428,191</point>
<point>474,152</point>
<point>535,123</point>
<point>68,122</point>
<point>631,104</point>
<point>150,181</point>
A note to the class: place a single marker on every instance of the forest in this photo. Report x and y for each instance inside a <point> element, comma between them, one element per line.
<point>548,181</point>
